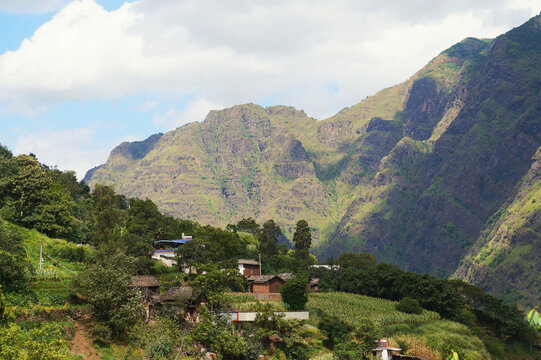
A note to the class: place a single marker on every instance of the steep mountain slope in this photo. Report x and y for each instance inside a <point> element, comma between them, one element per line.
<point>412,174</point>
<point>510,245</point>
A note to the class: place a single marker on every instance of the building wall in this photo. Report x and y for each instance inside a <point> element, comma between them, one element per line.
<point>275,285</point>
<point>250,270</point>
<point>260,288</point>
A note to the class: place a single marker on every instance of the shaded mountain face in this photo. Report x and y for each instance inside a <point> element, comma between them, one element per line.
<point>414,175</point>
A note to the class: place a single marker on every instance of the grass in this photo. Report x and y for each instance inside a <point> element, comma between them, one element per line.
<point>248,302</point>
<point>61,267</point>
<point>354,309</point>
<point>430,339</point>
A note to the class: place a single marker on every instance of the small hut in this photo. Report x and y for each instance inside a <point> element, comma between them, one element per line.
<point>179,300</point>
<point>267,287</point>
<point>148,285</point>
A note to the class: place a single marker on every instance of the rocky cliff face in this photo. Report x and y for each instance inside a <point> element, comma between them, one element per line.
<point>415,174</point>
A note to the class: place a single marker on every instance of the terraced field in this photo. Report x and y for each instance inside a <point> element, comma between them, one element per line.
<point>354,308</point>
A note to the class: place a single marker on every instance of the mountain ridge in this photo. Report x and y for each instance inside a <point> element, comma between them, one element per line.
<point>412,174</point>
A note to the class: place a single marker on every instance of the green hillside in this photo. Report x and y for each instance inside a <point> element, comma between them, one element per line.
<point>415,175</point>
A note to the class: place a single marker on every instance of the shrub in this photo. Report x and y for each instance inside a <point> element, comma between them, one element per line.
<point>409,306</point>
<point>348,350</point>
<point>294,293</point>
<point>101,334</point>
<point>335,330</point>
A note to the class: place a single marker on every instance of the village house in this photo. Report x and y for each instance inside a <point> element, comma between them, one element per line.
<point>148,285</point>
<point>267,287</point>
<point>249,267</point>
<point>179,301</point>
<point>166,250</point>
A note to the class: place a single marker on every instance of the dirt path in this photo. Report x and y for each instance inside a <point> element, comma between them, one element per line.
<point>81,344</point>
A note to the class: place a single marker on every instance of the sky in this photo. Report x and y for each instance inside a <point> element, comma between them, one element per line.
<point>79,77</point>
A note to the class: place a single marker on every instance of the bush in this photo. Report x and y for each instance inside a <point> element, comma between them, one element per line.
<point>348,350</point>
<point>409,306</point>
<point>294,293</point>
<point>101,334</point>
<point>335,330</point>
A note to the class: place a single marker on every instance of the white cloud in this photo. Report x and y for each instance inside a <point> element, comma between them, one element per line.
<point>31,6</point>
<point>66,149</point>
<point>230,52</point>
<point>196,110</point>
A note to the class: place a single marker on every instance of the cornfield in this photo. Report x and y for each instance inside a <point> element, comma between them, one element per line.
<point>355,308</point>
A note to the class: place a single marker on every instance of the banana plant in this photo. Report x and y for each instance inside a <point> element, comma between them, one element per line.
<point>534,318</point>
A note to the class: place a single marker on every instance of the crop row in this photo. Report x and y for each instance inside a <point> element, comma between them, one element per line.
<point>354,308</point>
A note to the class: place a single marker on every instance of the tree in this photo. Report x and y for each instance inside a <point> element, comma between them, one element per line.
<point>211,245</point>
<point>53,216</point>
<point>106,284</point>
<point>23,188</point>
<point>359,261</point>
<point>144,218</point>
<point>409,306</point>
<point>140,248</point>
<point>268,242</point>
<point>302,238</point>
<point>216,281</point>
<point>294,293</point>
<point>250,226</point>
<point>216,334</point>
<point>13,263</point>
<point>108,214</point>
<point>367,334</point>
<point>335,330</point>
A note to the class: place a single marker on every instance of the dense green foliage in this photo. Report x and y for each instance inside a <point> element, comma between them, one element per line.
<point>335,329</point>
<point>216,334</point>
<point>409,306</point>
<point>302,239</point>
<point>454,300</point>
<point>38,197</point>
<point>361,261</point>
<point>106,283</point>
<point>13,264</point>
<point>294,293</point>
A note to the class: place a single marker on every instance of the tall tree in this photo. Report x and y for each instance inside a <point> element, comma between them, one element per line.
<point>302,238</point>
<point>144,218</point>
<point>108,214</point>
<point>13,263</point>
<point>250,226</point>
<point>268,242</point>
<point>107,285</point>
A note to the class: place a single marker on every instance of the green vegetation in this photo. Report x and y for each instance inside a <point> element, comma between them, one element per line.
<point>409,306</point>
<point>354,309</point>
<point>294,293</point>
<point>398,175</point>
<point>438,174</point>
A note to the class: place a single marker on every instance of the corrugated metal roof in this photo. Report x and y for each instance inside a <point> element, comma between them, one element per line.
<point>178,241</point>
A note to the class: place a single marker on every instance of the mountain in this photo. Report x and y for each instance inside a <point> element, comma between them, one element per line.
<point>437,174</point>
